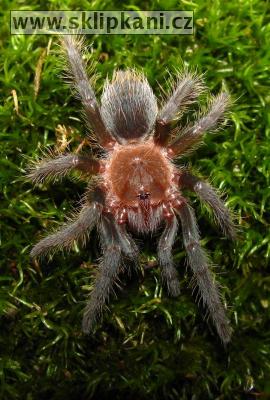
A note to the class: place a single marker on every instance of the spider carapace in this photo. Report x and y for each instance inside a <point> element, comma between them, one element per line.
<point>139,186</point>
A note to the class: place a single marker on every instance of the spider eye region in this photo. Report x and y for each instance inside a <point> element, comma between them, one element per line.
<point>139,172</point>
<point>143,195</point>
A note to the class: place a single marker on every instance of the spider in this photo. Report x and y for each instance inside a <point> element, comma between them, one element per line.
<point>138,187</point>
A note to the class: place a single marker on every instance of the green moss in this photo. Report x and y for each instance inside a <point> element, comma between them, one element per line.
<point>148,345</point>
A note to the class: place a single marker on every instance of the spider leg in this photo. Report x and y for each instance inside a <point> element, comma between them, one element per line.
<point>187,89</point>
<point>127,244</point>
<point>78,229</point>
<point>114,241</point>
<point>59,166</point>
<point>192,135</point>
<point>77,68</point>
<point>108,271</point>
<point>168,271</point>
<point>208,194</point>
<point>198,262</point>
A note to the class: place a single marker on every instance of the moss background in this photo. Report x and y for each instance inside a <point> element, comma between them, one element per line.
<point>148,345</point>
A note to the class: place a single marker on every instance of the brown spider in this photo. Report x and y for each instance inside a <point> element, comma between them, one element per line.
<point>139,186</point>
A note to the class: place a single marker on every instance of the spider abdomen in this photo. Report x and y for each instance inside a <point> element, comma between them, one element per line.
<point>138,173</point>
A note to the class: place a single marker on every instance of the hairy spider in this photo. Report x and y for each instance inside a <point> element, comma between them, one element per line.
<point>139,188</point>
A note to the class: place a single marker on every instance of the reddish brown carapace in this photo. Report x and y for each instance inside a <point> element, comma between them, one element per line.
<point>140,178</point>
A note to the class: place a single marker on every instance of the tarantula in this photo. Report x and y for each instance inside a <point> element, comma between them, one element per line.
<point>139,188</point>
